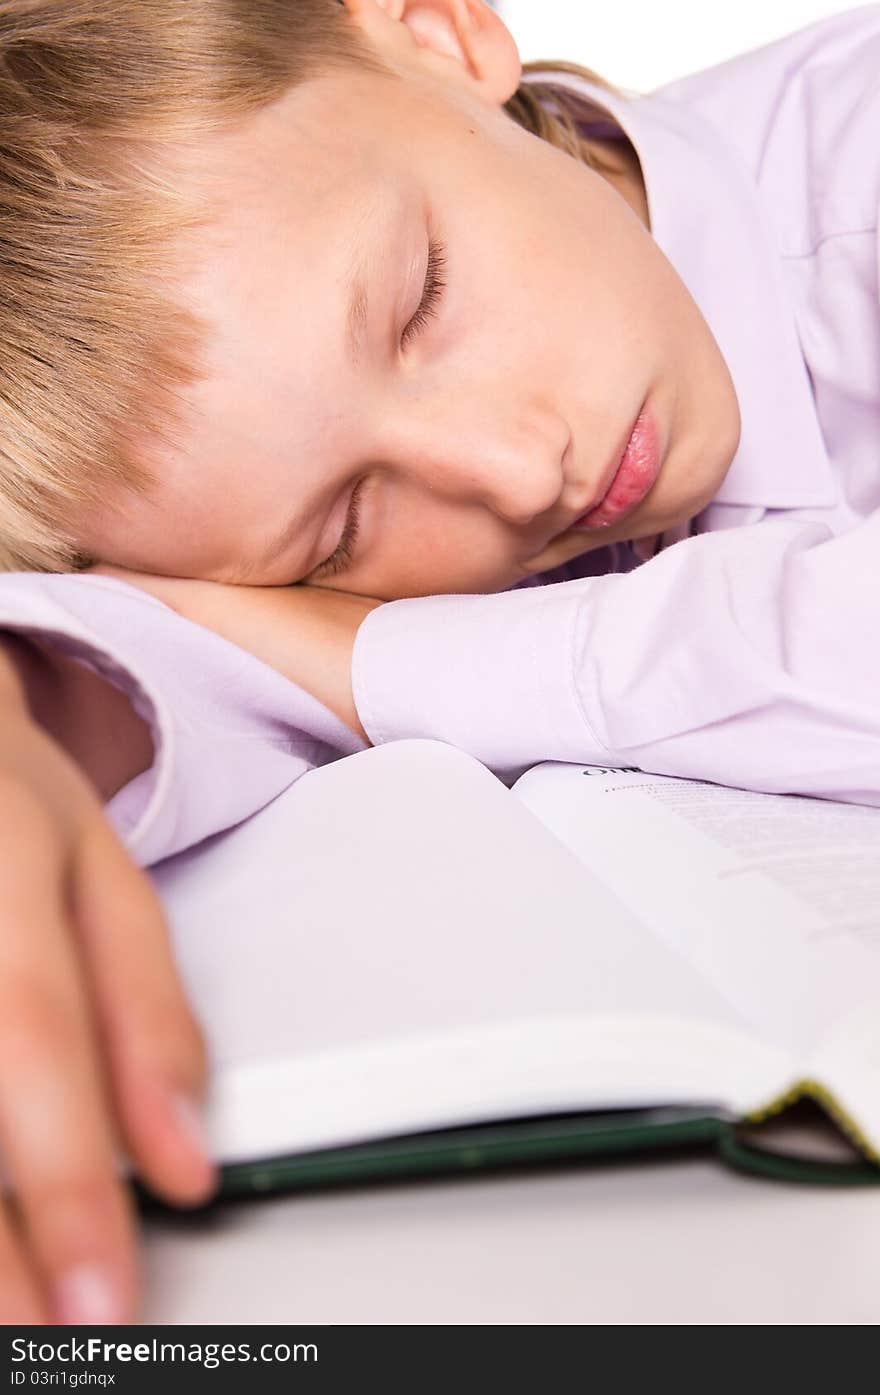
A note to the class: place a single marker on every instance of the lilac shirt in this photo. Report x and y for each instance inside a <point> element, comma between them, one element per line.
<point>748,650</point>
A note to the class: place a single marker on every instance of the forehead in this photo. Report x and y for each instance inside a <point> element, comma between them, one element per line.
<point>285,204</point>
<point>321,129</point>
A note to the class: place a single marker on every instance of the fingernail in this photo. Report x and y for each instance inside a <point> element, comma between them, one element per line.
<point>191,1124</point>
<point>86,1295</point>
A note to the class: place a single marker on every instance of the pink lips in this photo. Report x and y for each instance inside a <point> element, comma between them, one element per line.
<point>638,469</point>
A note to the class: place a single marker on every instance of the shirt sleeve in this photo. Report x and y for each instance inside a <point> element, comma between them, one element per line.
<point>748,657</point>
<point>229,733</point>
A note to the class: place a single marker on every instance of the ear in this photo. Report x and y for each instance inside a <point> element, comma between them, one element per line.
<point>463,40</point>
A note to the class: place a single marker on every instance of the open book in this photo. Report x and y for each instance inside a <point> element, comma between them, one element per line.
<point>404,966</point>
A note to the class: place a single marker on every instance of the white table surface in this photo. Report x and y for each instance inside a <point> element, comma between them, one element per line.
<point>680,1241</point>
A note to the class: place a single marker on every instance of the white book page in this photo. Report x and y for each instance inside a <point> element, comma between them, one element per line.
<point>774,898</point>
<point>396,943</point>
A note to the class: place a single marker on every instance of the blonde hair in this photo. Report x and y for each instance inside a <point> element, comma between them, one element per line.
<point>93,351</point>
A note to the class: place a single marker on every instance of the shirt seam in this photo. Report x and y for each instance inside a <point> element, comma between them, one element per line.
<point>572,676</point>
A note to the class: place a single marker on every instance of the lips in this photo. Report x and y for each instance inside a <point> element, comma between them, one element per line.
<point>634,474</point>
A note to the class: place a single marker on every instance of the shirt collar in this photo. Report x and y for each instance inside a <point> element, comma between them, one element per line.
<point>707,218</point>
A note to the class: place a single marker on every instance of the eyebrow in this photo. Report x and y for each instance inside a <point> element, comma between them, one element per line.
<point>375,215</point>
<point>357,320</point>
<point>358,317</point>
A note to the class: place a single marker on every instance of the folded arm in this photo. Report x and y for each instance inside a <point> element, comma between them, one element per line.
<point>747,657</point>
<point>305,633</point>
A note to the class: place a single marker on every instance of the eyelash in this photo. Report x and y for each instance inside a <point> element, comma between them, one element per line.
<point>435,285</point>
<point>341,558</point>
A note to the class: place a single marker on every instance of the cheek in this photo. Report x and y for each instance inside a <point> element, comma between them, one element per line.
<point>144,537</point>
<point>422,551</point>
<point>117,537</point>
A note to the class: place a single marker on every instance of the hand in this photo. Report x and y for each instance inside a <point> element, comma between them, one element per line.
<point>99,1052</point>
<point>305,632</point>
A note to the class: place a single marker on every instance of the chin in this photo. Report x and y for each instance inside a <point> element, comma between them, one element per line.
<point>686,506</point>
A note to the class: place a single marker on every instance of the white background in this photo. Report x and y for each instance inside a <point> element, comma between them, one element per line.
<point>641,44</point>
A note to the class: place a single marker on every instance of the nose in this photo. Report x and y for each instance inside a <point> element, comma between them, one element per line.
<point>506,457</point>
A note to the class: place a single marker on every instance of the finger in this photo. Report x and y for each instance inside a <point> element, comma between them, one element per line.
<point>154,1047</point>
<point>21,1302</point>
<point>56,1136</point>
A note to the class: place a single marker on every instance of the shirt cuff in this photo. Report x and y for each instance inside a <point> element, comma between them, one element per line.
<point>490,674</point>
<point>128,809</point>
